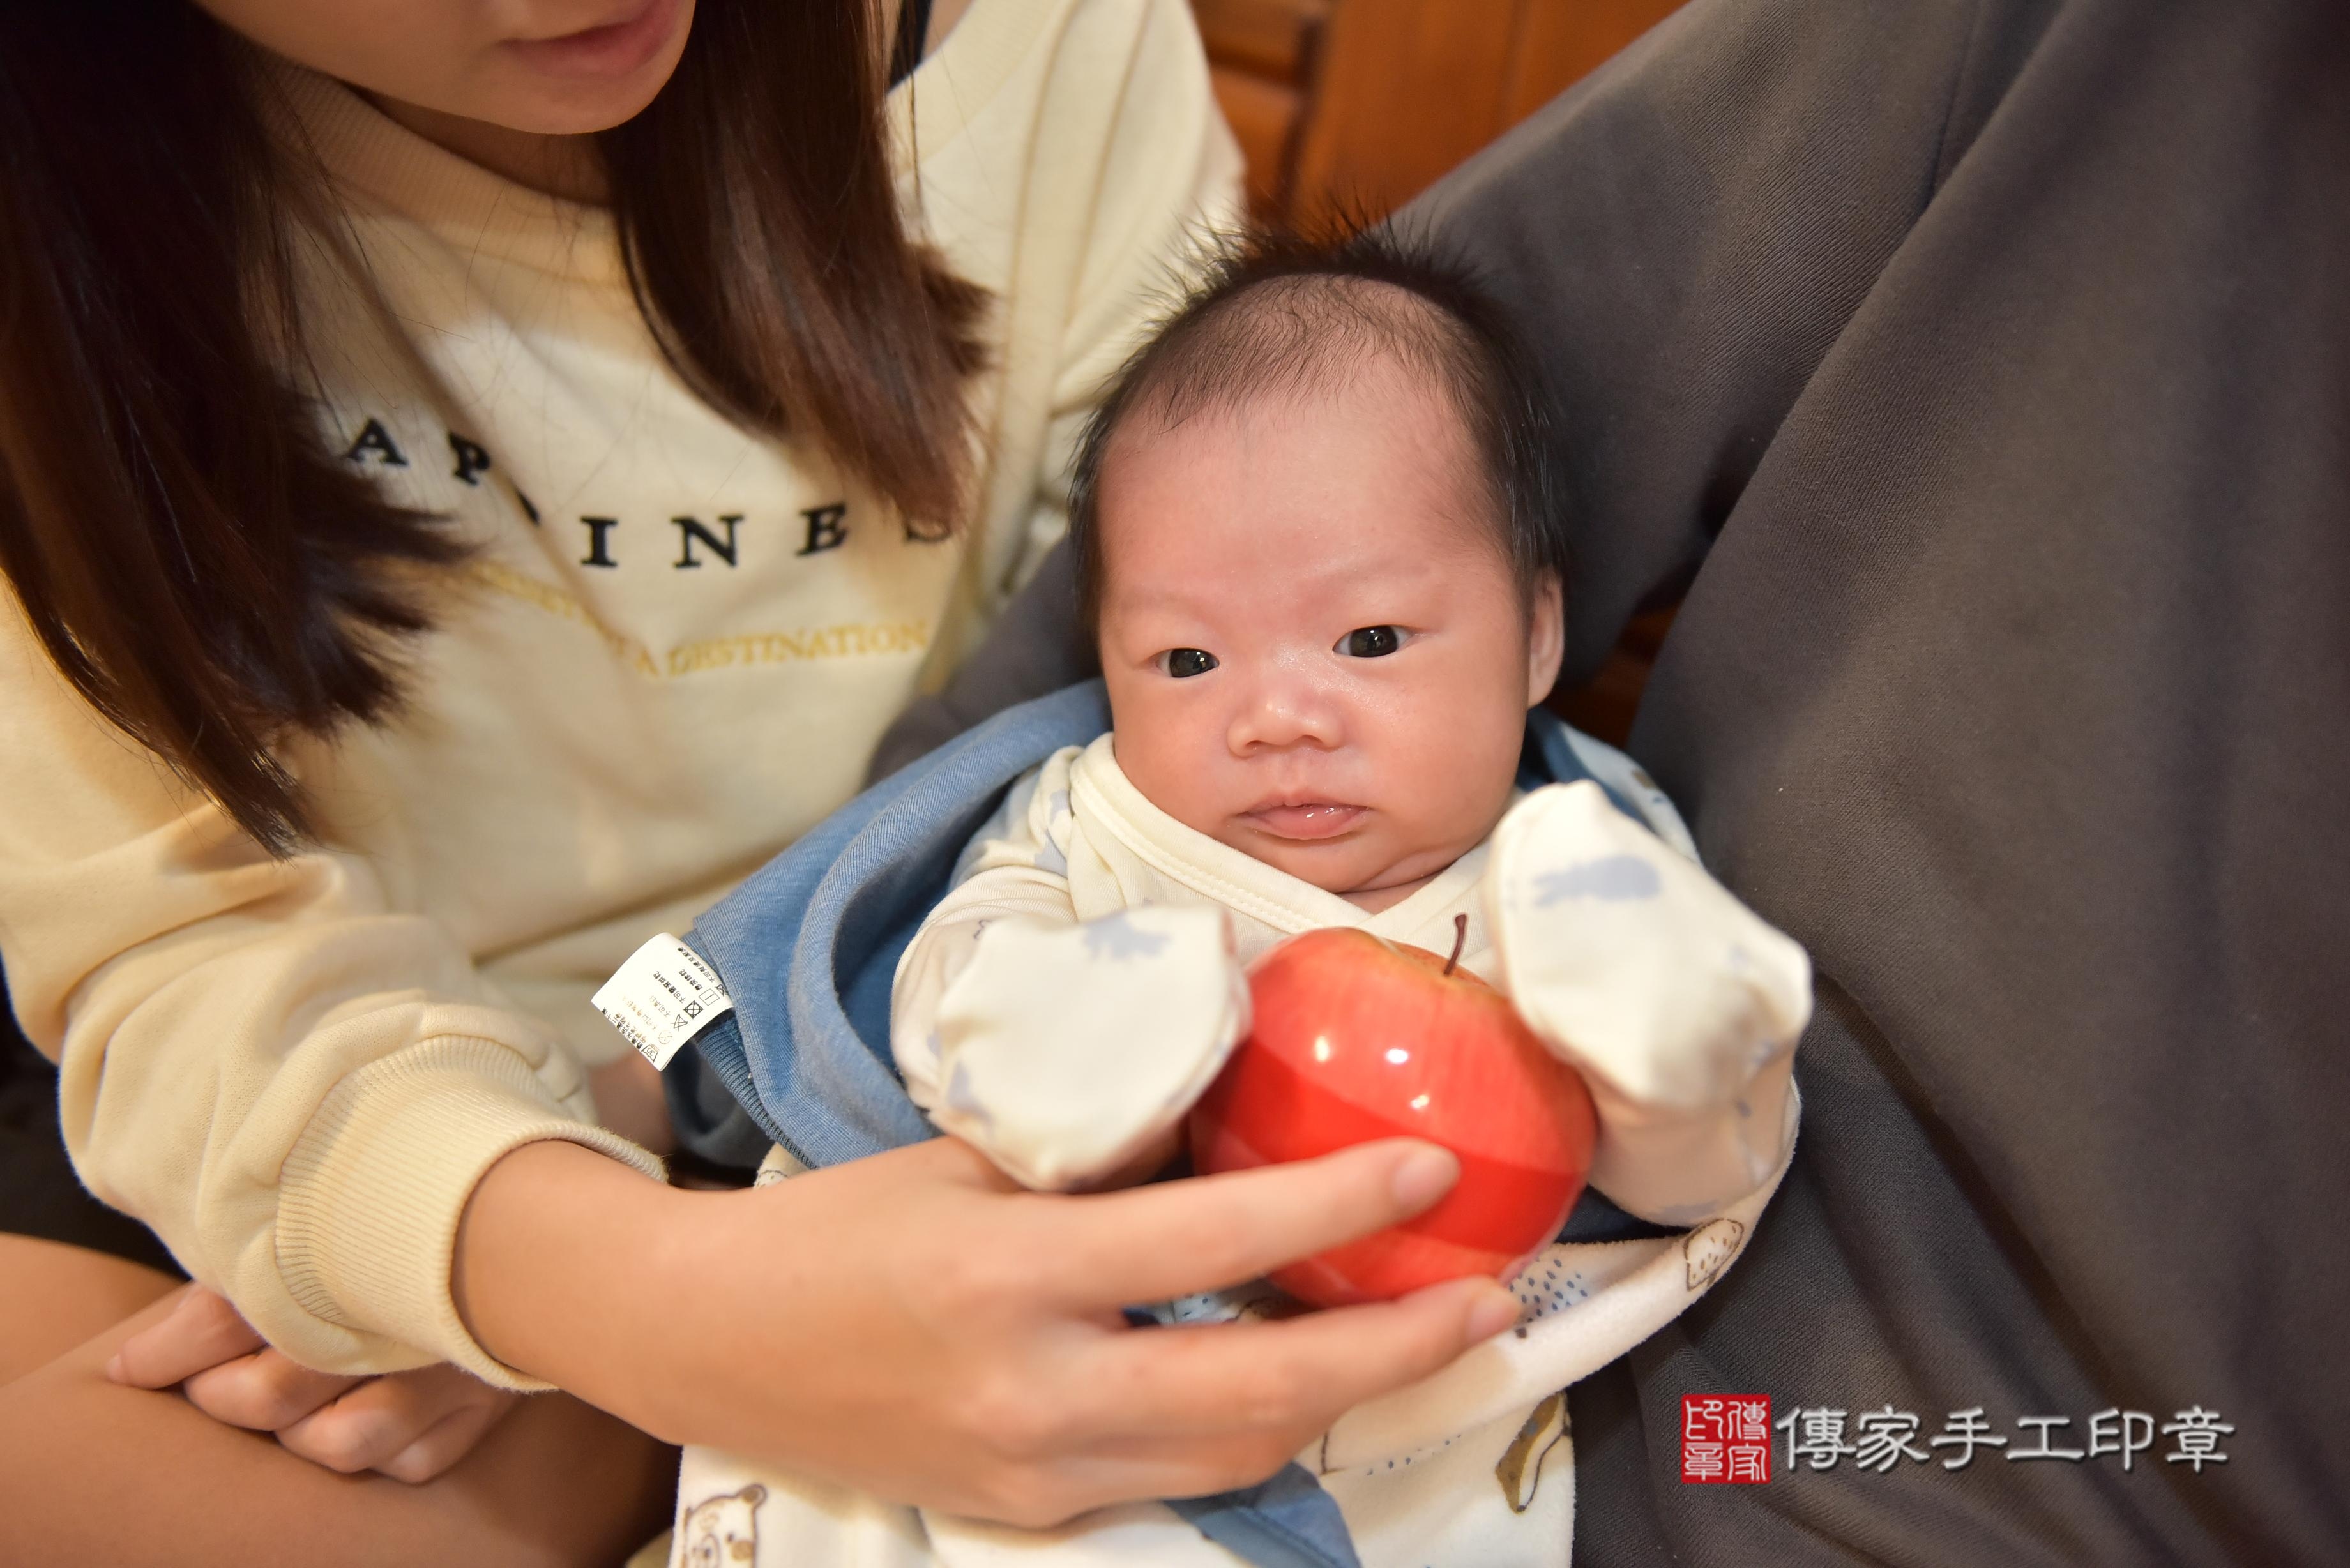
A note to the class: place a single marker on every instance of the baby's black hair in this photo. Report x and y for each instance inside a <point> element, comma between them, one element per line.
<point>1280,314</point>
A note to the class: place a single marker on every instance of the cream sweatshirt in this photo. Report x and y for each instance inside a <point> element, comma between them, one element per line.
<point>672,655</point>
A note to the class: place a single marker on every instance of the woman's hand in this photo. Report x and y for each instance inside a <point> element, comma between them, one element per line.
<point>913,1326</point>
<point>409,1425</point>
<point>630,1101</point>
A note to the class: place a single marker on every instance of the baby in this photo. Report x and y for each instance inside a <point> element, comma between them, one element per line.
<point>1319,540</point>
<point>1317,523</point>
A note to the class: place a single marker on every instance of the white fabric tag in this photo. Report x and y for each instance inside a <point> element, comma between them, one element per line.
<point>663,997</point>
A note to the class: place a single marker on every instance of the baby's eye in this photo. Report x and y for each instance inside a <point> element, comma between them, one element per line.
<point>1185,663</point>
<point>1370,642</point>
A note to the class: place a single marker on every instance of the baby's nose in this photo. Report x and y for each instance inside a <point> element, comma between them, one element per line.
<point>1281,714</point>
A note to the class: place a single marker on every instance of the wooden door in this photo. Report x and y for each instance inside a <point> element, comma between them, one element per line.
<point>1350,107</point>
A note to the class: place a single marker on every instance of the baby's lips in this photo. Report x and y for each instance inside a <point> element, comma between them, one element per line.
<point>1307,820</point>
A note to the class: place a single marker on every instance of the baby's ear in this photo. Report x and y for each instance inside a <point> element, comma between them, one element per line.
<point>1545,637</point>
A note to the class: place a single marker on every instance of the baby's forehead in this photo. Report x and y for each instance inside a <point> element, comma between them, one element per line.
<point>1398,412</point>
<point>1375,389</point>
<point>1413,380</point>
<point>1309,499</point>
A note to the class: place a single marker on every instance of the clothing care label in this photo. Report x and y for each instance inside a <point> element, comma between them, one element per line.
<point>663,997</point>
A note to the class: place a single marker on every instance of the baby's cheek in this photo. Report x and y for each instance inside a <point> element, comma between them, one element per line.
<point>1164,756</point>
<point>1454,760</point>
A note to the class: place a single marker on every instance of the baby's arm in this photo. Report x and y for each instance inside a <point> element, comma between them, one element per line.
<point>1065,1051</point>
<point>1679,1006</point>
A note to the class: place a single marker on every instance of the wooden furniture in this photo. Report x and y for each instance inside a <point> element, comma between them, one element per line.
<point>1347,108</point>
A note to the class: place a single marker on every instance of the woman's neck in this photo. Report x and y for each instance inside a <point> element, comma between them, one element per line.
<point>562,166</point>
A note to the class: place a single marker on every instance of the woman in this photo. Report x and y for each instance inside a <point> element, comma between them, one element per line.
<point>477,480</point>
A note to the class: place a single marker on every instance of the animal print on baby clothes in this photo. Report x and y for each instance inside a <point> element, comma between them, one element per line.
<point>720,1531</point>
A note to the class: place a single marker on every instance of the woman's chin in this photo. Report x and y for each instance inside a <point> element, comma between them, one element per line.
<point>544,105</point>
<point>576,85</point>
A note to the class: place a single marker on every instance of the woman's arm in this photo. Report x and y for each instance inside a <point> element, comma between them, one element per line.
<point>296,1083</point>
<point>913,1326</point>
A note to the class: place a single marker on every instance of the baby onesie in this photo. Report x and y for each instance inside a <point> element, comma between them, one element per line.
<point>1082,982</point>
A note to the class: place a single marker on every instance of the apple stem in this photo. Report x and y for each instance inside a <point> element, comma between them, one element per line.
<point>1460,940</point>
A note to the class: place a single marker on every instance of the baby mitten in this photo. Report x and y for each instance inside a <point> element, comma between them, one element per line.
<point>1064,1053</point>
<point>1679,1005</point>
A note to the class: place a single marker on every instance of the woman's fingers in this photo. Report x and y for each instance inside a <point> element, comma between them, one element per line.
<point>1041,1497</point>
<point>264,1391</point>
<point>1187,1411</point>
<point>1161,1467</point>
<point>201,1331</point>
<point>1158,1243</point>
<point>1183,1412</point>
<point>1294,1377</point>
<point>410,1426</point>
<point>225,1369</point>
<point>448,1441</point>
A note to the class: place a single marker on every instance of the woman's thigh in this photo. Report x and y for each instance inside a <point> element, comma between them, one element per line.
<point>135,1477</point>
<point>58,1296</point>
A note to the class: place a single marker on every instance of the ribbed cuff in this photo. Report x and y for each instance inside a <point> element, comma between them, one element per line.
<point>369,1199</point>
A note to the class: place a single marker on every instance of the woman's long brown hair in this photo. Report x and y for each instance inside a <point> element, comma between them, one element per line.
<point>205,572</point>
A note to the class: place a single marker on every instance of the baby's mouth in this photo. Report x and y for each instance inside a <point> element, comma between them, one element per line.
<point>1306,819</point>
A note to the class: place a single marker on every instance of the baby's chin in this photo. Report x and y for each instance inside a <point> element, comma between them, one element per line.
<point>1359,868</point>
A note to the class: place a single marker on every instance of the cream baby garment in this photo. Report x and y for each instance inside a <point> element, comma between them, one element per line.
<point>1084,981</point>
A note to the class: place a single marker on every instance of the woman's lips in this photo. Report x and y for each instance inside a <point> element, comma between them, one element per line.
<point>615,49</point>
<point>1306,819</point>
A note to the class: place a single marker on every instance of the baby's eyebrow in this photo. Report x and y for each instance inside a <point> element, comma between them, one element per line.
<point>1150,596</point>
<point>1385,569</point>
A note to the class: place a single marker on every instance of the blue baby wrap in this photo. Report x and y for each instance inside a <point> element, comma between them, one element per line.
<point>809,945</point>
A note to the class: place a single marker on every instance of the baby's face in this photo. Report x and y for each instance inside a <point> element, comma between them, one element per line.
<point>1314,649</point>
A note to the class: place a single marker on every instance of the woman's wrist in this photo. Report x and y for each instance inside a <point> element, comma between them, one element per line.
<point>559,1267</point>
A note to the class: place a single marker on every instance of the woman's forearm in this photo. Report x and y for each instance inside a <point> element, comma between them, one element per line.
<point>561,1271</point>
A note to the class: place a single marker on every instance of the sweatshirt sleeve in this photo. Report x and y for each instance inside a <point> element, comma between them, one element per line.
<point>294,1083</point>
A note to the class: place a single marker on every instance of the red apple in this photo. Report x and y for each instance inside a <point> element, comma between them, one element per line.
<point>1356,1038</point>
